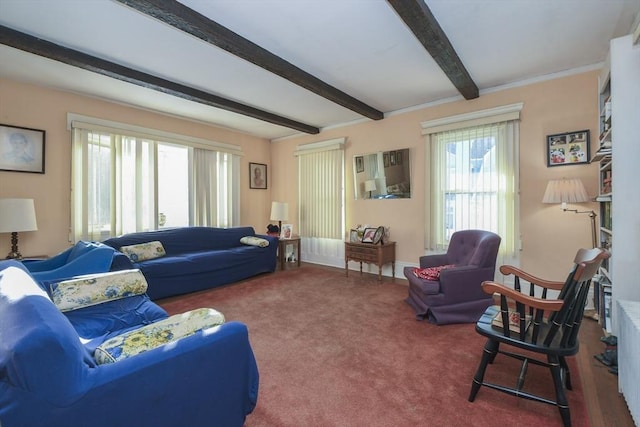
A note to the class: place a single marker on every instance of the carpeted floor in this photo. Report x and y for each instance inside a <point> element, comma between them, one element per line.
<point>338,351</point>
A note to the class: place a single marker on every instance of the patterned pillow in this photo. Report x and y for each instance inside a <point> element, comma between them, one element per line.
<point>157,334</point>
<point>430,273</point>
<point>85,291</point>
<point>144,251</point>
<point>254,241</point>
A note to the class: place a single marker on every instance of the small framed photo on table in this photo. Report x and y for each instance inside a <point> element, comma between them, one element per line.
<point>369,234</point>
<point>287,231</point>
<point>21,149</point>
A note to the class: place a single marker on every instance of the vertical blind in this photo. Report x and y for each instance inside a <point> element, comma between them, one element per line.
<point>321,189</point>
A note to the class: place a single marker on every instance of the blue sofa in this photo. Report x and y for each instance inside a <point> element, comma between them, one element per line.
<point>49,376</point>
<point>199,258</point>
<point>81,258</point>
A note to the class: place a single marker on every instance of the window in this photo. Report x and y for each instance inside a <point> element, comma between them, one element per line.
<point>127,179</point>
<point>473,180</point>
<point>321,189</point>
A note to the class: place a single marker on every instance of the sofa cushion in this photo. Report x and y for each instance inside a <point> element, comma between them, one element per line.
<point>94,289</point>
<point>254,241</point>
<point>144,251</point>
<point>157,334</point>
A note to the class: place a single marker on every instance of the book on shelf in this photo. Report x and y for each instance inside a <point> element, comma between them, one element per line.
<point>514,321</point>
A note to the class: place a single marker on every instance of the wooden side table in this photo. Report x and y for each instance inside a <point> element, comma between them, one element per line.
<point>282,247</point>
<point>372,254</point>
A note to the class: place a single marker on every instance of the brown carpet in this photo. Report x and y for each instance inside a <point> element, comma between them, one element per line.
<point>338,351</point>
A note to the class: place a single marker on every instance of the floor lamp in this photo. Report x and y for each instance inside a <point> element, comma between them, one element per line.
<point>570,191</point>
<point>17,215</point>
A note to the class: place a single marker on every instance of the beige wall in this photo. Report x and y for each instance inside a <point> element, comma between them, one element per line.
<point>30,106</point>
<point>550,237</point>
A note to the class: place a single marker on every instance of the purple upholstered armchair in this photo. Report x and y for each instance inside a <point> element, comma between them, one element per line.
<point>457,296</point>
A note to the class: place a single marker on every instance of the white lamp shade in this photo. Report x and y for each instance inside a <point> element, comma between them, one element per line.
<point>370,185</point>
<point>17,215</point>
<point>279,211</point>
<point>565,191</point>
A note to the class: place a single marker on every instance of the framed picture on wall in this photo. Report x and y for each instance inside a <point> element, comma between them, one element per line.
<point>21,149</point>
<point>570,148</point>
<point>258,176</point>
<point>359,164</point>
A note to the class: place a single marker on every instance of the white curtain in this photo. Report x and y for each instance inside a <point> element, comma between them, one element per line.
<point>474,184</point>
<point>216,201</point>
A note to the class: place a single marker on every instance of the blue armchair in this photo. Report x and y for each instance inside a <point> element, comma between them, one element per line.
<point>50,377</point>
<point>82,258</point>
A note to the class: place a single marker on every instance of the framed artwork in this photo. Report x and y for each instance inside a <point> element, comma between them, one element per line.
<point>570,148</point>
<point>359,164</point>
<point>398,158</point>
<point>385,159</point>
<point>287,231</point>
<point>392,158</point>
<point>21,149</point>
<point>378,236</point>
<point>369,234</point>
<point>258,176</point>
<point>353,236</point>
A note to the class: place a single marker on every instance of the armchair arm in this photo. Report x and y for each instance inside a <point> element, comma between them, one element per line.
<point>463,283</point>
<point>433,260</point>
<point>56,261</point>
<point>539,303</point>
<point>509,269</point>
<point>97,260</point>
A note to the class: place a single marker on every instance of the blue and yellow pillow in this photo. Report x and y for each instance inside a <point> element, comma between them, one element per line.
<point>144,251</point>
<point>157,334</point>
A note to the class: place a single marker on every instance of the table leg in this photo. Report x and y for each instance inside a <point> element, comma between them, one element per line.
<point>298,252</point>
<point>393,270</point>
<point>361,267</point>
<point>346,266</point>
<point>380,273</point>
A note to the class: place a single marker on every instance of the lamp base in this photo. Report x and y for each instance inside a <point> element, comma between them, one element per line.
<point>14,254</point>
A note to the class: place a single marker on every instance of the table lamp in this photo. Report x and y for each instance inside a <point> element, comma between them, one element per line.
<point>370,185</point>
<point>279,212</point>
<point>17,215</point>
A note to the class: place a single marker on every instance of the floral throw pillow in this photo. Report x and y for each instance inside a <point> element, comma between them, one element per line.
<point>430,273</point>
<point>94,289</point>
<point>254,241</point>
<point>144,251</point>
<point>157,334</point>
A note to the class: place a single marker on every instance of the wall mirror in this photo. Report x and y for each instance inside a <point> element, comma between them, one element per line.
<point>382,175</point>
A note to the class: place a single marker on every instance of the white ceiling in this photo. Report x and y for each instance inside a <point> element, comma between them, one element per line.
<point>361,47</point>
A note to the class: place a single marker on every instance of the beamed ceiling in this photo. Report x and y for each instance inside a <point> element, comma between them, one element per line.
<point>275,68</point>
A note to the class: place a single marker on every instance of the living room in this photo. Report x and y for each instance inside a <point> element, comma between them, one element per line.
<point>548,237</point>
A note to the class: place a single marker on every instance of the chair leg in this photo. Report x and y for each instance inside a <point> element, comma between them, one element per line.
<point>567,373</point>
<point>488,355</point>
<point>561,398</point>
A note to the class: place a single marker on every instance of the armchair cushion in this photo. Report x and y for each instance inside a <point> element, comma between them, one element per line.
<point>94,289</point>
<point>156,334</point>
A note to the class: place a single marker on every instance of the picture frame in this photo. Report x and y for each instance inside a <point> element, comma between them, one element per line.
<point>392,158</point>
<point>286,232</point>
<point>353,236</point>
<point>22,149</point>
<point>258,176</point>
<point>378,237</point>
<point>359,164</point>
<point>368,235</point>
<point>385,159</point>
<point>398,158</point>
<point>569,148</point>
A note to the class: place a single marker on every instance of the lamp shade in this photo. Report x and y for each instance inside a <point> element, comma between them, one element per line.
<point>279,211</point>
<point>370,185</point>
<point>17,215</point>
<point>565,191</point>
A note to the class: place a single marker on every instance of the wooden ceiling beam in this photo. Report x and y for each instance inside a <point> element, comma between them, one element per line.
<point>47,49</point>
<point>418,17</point>
<point>188,20</point>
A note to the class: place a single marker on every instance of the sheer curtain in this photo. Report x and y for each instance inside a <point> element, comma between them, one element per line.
<point>216,201</point>
<point>473,180</point>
